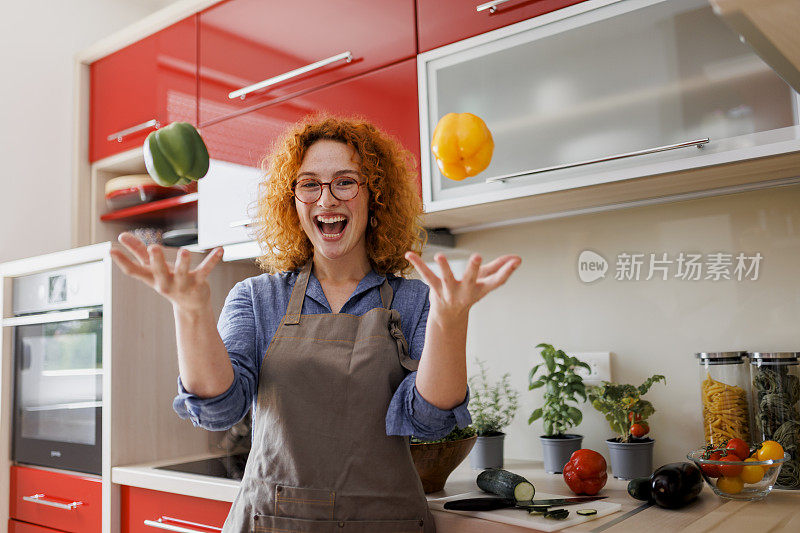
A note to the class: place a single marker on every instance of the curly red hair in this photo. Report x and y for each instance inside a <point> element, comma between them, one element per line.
<point>394,199</point>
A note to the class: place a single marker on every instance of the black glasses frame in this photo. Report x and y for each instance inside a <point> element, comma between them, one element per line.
<point>294,189</point>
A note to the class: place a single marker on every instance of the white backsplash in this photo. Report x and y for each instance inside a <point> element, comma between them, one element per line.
<point>651,327</point>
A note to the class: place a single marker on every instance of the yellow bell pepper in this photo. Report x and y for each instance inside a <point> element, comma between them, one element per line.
<point>462,145</point>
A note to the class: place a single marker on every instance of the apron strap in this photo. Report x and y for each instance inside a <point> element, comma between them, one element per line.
<point>387,294</point>
<point>295,306</point>
<point>402,345</point>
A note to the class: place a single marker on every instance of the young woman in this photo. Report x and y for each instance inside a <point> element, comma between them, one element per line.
<point>339,358</point>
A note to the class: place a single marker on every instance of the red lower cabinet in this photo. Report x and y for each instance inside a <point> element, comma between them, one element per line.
<point>150,511</point>
<point>15,526</point>
<point>66,502</point>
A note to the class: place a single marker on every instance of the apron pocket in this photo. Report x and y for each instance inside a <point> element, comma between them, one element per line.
<point>299,502</point>
<point>278,524</point>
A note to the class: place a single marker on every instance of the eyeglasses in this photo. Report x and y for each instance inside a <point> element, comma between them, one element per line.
<point>342,188</point>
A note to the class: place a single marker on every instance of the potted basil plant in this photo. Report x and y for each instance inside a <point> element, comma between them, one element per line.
<point>492,407</point>
<point>631,452</point>
<point>563,386</point>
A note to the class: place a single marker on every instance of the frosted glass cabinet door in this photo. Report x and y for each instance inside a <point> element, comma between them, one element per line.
<point>597,79</point>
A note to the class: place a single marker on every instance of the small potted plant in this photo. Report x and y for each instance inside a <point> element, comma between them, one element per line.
<point>631,452</point>
<point>492,408</point>
<point>435,460</point>
<point>562,387</point>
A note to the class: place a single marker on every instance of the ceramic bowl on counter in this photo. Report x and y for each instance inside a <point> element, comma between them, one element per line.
<point>754,480</point>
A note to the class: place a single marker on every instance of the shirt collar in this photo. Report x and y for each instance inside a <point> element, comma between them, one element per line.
<point>315,292</point>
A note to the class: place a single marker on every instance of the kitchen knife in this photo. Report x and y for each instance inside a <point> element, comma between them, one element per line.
<point>490,504</point>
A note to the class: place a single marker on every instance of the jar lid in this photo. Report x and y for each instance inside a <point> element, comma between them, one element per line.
<point>774,355</point>
<point>721,358</point>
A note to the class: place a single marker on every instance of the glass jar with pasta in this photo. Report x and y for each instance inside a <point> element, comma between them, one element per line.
<point>724,393</point>
<point>776,399</point>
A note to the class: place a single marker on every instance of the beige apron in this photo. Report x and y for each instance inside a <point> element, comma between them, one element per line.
<point>321,460</point>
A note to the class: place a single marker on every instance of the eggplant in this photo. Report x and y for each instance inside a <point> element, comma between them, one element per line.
<point>505,484</point>
<point>675,484</point>
<point>639,488</point>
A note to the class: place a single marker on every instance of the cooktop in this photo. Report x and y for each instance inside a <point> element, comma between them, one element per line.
<point>228,466</point>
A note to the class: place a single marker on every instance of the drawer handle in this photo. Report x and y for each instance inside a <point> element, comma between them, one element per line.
<point>40,499</point>
<point>240,223</point>
<point>161,523</point>
<point>244,91</point>
<point>133,129</point>
<point>491,6</point>
<point>698,143</point>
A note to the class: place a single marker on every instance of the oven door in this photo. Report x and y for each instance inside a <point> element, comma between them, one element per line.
<point>58,389</point>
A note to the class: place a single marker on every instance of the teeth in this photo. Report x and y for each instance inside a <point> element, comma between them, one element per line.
<point>331,219</point>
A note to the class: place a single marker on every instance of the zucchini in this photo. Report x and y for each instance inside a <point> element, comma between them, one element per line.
<point>506,484</point>
<point>586,512</point>
<point>640,488</point>
<point>557,514</point>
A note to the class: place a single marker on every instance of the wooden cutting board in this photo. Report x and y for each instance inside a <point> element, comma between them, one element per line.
<point>520,517</point>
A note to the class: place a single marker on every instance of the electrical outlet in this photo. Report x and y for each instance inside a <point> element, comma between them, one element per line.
<point>600,364</point>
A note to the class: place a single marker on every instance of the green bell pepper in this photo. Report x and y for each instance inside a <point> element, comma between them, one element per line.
<point>175,155</point>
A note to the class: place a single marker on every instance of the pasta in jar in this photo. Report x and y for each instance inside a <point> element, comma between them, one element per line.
<point>724,393</point>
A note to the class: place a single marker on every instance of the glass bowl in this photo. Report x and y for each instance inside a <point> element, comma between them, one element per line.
<point>736,488</point>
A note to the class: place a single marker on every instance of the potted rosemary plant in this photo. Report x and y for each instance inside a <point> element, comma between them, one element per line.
<point>562,387</point>
<point>631,452</point>
<point>492,408</point>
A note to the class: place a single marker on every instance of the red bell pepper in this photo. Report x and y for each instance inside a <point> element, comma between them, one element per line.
<point>585,473</point>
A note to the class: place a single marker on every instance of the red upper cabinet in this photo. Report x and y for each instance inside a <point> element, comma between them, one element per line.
<point>152,80</point>
<point>442,22</point>
<point>294,46</point>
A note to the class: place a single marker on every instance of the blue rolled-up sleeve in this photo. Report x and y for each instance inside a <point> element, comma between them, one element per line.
<point>411,414</point>
<point>236,326</point>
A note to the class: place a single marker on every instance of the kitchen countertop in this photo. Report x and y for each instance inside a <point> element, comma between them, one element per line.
<point>779,512</point>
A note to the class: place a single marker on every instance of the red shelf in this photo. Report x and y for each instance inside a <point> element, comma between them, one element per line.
<point>168,208</point>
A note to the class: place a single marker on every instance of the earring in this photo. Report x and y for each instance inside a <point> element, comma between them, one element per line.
<point>373,221</point>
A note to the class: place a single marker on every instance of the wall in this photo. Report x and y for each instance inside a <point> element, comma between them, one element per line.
<point>38,43</point>
<point>649,326</point>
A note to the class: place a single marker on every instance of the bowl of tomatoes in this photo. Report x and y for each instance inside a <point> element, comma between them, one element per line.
<point>735,470</point>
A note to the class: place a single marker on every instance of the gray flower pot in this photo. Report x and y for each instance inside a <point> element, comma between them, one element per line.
<point>556,451</point>
<point>487,452</point>
<point>630,460</point>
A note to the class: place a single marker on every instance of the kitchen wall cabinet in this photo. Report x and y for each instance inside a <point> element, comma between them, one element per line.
<point>147,511</point>
<point>602,80</point>
<point>69,502</point>
<point>15,526</point>
<point>150,83</point>
<point>387,97</point>
<point>245,42</point>
<point>441,22</point>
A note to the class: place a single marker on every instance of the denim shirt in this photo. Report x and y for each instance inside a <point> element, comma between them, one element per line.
<point>254,309</point>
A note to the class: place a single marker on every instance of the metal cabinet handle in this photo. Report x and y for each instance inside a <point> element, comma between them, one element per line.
<point>244,91</point>
<point>40,499</point>
<point>161,523</point>
<point>491,6</point>
<point>153,123</point>
<point>240,223</point>
<point>48,318</point>
<point>698,143</point>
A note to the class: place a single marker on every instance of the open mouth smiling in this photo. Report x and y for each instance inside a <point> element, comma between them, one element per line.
<point>331,226</point>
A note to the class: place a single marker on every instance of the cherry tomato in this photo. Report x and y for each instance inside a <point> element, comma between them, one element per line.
<point>634,417</point>
<point>739,448</point>
<point>712,470</point>
<point>730,470</point>
<point>770,450</point>
<point>731,485</point>
<point>639,430</point>
<point>752,474</point>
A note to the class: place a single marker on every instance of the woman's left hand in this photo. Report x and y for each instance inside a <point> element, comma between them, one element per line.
<point>451,299</point>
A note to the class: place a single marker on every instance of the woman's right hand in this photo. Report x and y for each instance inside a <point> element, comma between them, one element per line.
<point>186,289</point>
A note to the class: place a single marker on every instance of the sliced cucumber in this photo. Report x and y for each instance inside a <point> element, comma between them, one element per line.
<point>506,484</point>
<point>586,512</point>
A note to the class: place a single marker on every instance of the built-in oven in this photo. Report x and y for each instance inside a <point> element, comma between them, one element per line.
<point>58,367</point>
